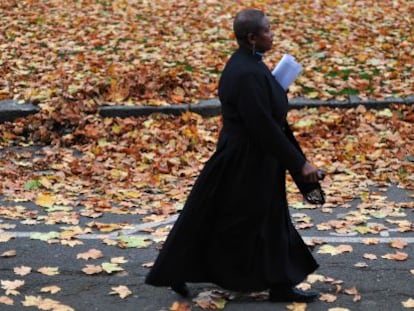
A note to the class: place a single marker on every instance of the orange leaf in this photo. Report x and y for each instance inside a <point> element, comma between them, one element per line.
<point>398,256</point>
<point>180,306</point>
<point>90,254</point>
<point>400,244</point>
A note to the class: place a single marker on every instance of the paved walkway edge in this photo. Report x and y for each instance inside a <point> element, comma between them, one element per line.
<point>12,109</point>
<point>209,108</point>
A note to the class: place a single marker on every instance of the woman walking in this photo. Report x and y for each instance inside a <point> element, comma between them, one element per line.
<point>235,229</point>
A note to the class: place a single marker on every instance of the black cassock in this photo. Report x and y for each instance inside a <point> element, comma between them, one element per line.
<point>235,228</point>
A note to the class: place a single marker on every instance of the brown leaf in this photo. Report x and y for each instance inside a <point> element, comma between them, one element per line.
<point>398,256</point>
<point>210,300</point>
<point>10,253</point>
<point>180,306</point>
<point>400,244</point>
<point>11,286</point>
<point>327,297</point>
<point>370,241</point>
<point>5,237</point>
<point>354,292</point>
<point>90,254</point>
<point>409,303</point>
<point>6,300</point>
<point>148,264</point>
<point>22,270</point>
<point>92,269</point>
<point>370,256</point>
<point>53,289</point>
<point>121,290</point>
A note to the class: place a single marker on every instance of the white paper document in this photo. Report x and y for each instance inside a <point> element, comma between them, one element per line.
<point>286,71</point>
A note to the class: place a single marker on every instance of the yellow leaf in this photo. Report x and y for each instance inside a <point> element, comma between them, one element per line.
<point>312,278</point>
<point>50,289</point>
<point>304,286</point>
<point>332,250</point>
<point>50,271</point>
<point>45,182</point>
<point>45,200</point>
<point>313,94</point>
<point>122,291</point>
<point>11,286</point>
<point>111,267</point>
<point>296,306</point>
<point>327,297</point>
<point>408,303</point>
<point>32,301</point>
<point>118,260</point>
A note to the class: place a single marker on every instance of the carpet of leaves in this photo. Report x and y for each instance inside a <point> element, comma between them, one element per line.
<point>151,162</point>
<point>160,155</point>
<point>157,52</point>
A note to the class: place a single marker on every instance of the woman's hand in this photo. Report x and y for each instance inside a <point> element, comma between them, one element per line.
<point>311,173</point>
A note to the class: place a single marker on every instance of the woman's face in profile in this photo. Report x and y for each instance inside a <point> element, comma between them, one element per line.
<point>264,38</point>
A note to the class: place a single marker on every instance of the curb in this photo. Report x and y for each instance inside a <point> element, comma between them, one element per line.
<point>12,109</point>
<point>211,107</point>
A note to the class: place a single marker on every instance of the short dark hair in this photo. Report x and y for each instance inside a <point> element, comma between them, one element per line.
<point>247,21</point>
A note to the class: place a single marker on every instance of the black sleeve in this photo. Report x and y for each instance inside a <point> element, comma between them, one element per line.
<point>254,107</point>
<point>304,187</point>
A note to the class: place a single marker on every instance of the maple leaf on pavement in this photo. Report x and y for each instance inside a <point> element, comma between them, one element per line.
<point>11,286</point>
<point>90,254</point>
<point>22,270</point>
<point>180,306</point>
<point>6,300</point>
<point>121,290</point>
<point>92,269</point>
<point>50,271</point>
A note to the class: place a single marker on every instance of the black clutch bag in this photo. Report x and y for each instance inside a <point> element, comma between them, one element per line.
<point>311,191</point>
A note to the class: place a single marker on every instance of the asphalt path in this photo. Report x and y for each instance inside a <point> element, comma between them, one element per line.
<point>382,284</point>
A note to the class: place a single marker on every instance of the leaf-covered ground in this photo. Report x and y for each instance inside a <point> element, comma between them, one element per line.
<point>150,162</point>
<point>109,173</point>
<point>157,52</point>
<point>79,168</point>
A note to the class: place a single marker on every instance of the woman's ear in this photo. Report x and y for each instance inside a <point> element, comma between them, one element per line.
<point>251,38</point>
